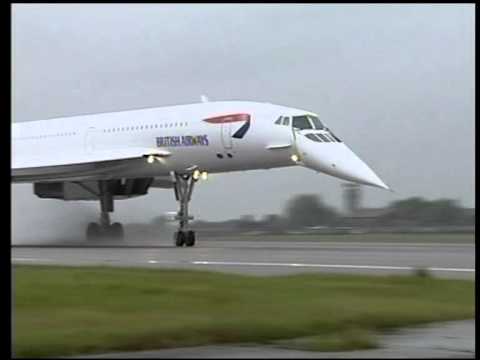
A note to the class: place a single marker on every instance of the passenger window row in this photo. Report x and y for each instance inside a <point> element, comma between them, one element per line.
<point>119,129</point>
<point>146,127</point>
<point>45,136</point>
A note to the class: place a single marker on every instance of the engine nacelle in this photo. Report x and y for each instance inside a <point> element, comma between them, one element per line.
<point>89,190</point>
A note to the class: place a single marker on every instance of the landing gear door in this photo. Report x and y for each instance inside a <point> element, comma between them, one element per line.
<point>227,135</point>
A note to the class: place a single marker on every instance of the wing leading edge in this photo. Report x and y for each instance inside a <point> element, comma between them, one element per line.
<point>100,165</point>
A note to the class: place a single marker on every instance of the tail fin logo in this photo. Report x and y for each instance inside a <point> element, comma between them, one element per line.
<point>240,133</point>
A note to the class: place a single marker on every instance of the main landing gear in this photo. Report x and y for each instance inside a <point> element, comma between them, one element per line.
<point>105,228</point>
<point>183,187</point>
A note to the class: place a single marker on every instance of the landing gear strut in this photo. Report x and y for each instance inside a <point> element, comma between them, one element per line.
<point>105,228</point>
<point>183,187</point>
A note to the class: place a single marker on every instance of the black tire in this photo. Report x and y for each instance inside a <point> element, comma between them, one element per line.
<point>190,238</point>
<point>93,231</point>
<point>179,238</point>
<point>116,231</point>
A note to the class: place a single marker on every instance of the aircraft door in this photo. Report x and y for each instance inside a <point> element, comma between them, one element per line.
<point>293,133</point>
<point>227,135</point>
<point>90,140</point>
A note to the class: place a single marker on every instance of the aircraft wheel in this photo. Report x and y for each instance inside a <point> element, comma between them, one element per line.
<point>116,230</point>
<point>179,238</point>
<point>93,231</point>
<point>190,238</point>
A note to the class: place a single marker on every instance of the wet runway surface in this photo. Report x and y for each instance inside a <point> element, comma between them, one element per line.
<point>258,257</point>
<point>442,340</point>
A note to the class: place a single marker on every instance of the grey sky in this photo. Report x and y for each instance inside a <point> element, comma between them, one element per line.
<point>395,82</point>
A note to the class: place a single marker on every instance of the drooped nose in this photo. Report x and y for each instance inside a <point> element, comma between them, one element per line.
<point>336,159</point>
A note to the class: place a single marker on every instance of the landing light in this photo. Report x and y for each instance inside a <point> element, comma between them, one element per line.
<point>294,157</point>
<point>204,175</point>
<point>150,159</point>
<point>196,174</point>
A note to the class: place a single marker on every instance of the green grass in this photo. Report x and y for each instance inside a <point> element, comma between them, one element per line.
<point>68,310</point>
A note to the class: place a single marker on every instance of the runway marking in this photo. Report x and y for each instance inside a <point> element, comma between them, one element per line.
<point>332,266</point>
<point>370,267</point>
<point>364,243</point>
<point>30,259</point>
<point>451,269</point>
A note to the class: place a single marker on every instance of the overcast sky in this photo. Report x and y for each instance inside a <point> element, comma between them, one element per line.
<point>395,82</point>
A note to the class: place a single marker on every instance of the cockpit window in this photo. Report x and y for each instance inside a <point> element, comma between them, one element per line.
<point>301,122</point>
<point>312,137</point>
<point>332,139</point>
<point>279,120</point>
<point>316,122</point>
<point>324,138</point>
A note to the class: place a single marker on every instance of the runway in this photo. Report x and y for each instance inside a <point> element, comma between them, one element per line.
<point>259,257</point>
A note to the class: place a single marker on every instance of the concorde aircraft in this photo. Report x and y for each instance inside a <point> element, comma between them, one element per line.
<point>120,155</point>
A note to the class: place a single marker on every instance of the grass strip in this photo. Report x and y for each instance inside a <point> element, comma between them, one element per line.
<point>61,311</point>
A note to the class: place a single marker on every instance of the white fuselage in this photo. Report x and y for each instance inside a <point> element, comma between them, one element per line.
<point>43,147</point>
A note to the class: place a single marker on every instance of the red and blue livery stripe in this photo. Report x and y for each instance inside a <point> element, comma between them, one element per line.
<point>230,118</point>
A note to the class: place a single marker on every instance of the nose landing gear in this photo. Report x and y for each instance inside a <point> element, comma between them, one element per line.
<point>183,187</point>
<point>186,238</point>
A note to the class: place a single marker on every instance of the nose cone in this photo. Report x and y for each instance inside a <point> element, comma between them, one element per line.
<point>336,159</point>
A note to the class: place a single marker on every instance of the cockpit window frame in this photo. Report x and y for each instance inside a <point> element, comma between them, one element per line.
<point>333,135</point>
<point>308,120</point>
<point>312,136</point>
<point>332,139</point>
<point>324,138</point>
<point>312,120</point>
